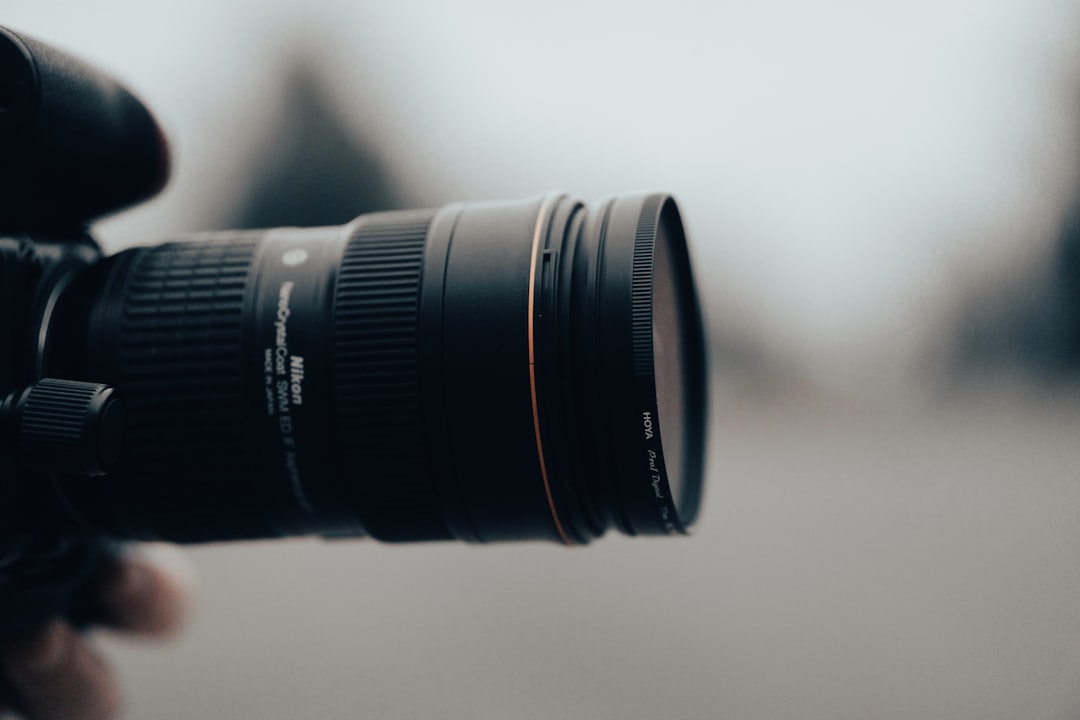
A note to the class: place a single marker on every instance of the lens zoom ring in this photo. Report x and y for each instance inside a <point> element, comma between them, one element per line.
<point>179,372</point>
<point>377,381</point>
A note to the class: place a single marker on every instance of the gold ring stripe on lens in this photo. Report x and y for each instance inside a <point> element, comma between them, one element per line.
<point>545,208</point>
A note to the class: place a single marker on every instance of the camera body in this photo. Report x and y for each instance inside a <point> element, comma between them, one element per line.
<point>48,562</point>
<point>76,145</point>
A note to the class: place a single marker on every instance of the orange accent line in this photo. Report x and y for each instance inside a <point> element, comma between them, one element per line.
<point>544,206</point>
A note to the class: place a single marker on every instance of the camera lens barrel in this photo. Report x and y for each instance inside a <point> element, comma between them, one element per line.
<point>483,372</point>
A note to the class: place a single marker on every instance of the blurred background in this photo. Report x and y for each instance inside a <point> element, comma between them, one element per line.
<point>884,205</point>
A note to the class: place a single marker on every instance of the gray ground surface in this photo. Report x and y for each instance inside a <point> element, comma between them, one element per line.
<point>851,564</point>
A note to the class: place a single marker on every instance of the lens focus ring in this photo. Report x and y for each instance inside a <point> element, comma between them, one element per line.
<point>379,425</point>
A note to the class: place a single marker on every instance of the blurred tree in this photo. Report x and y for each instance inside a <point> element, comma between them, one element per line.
<point>313,171</point>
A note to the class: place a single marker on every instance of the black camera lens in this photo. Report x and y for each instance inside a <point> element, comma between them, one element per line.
<point>482,372</point>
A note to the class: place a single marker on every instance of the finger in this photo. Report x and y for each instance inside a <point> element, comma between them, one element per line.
<point>58,676</point>
<point>148,591</point>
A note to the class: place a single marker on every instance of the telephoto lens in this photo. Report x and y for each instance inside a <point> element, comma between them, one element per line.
<point>481,372</point>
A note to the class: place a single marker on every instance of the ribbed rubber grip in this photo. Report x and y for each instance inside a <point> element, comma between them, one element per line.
<point>378,414</point>
<point>70,427</point>
<point>54,414</point>
<point>179,370</point>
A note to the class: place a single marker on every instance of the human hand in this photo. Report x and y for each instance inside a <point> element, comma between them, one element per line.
<point>55,673</point>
